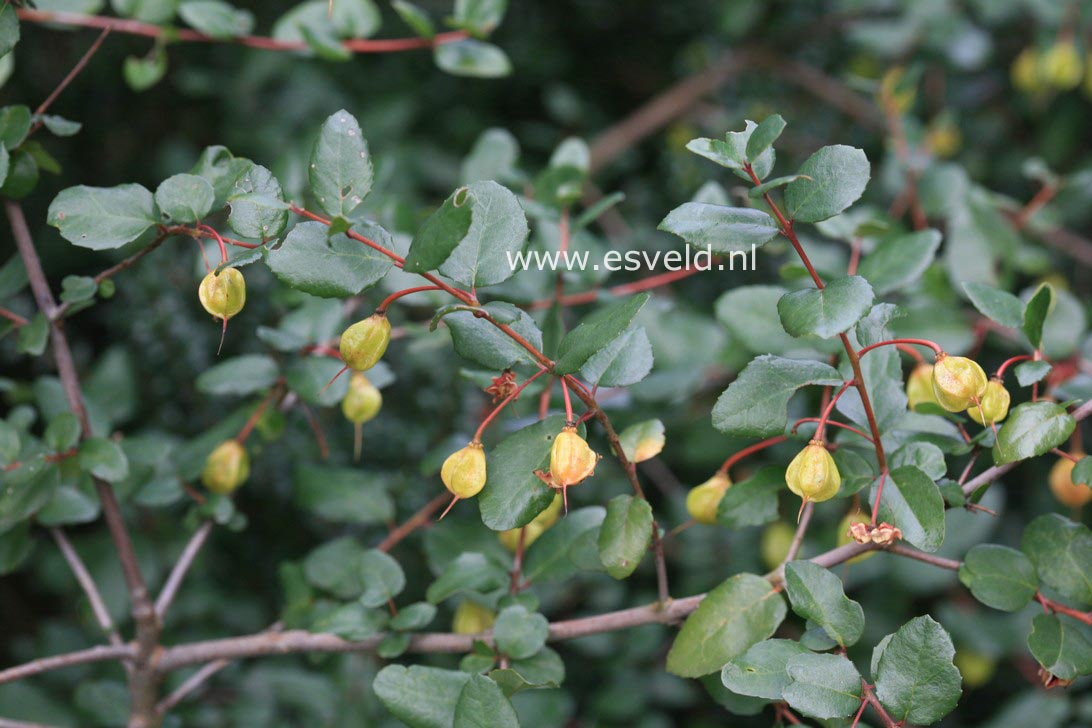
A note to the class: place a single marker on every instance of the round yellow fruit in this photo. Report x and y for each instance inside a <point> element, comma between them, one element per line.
<point>702,500</point>
<point>226,468</point>
<point>364,343</point>
<point>223,295</point>
<point>957,382</point>
<point>1062,486</point>
<point>812,474</point>
<point>463,473</point>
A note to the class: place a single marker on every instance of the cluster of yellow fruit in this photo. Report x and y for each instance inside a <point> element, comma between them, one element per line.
<point>958,384</point>
<point>1059,67</point>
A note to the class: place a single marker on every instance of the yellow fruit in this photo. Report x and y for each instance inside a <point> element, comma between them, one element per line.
<point>775,543</point>
<point>702,500</point>
<point>463,472</point>
<point>995,404</point>
<point>812,474</point>
<point>223,295</point>
<point>365,342</point>
<point>572,460</point>
<point>976,668</point>
<point>1061,66</point>
<point>944,138</point>
<point>957,382</point>
<point>844,537</point>
<point>1062,486</point>
<point>1025,70</point>
<point>472,618</point>
<point>538,526</point>
<point>226,467</point>
<point>362,401</point>
<point>919,386</point>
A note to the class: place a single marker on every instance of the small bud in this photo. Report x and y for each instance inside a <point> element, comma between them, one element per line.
<point>226,468</point>
<point>362,401</point>
<point>223,295</point>
<point>472,618</point>
<point>572,461</point>
<point>919,386</point>
<point>775,543</point>
<point>1062,486</point>
<point>846,530</point>
<point>702,500</point>
<point>994,405</point>
<point>538,526</point>
<point>812,474</point>
<point>365,342</point>
<point>957,382</point>
<point>1061,65</point>
<point>463,472</point>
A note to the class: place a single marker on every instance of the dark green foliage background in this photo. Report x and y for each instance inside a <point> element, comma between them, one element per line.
<point>579,66</point>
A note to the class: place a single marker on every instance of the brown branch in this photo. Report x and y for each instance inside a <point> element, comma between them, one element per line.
<point>113,270</point>
<point>8,723</point>
<point>142,682</point>
<point>940,561</point>
<point>80,64</point>
<point>414,522</point>
<point>186,35</point>
<point>871,699</point>
<point>191,684</point>
<point>87,583</point>
<point>181,568</point>
<point>99,653</point>
<point>15,318</point>
<point>801,531</point>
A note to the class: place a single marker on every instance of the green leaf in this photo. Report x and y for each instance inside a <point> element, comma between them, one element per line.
<point>545,669</point>
<point>718,228</point>
<point>482,342</point>
<point>416,18</point>
<point>310,378</point>
<point>1030,372</point>
<point>101,218</point>
<point>763,135</point>
<point>553,556</point>
<point>383,578</point>
<point>422,697</point>
<point>740,612</point>
<point>912,501</point>
<point>9,28</point>
<point>26,490</point>
<point>498,230</point>
<point>5,164</point>
<point>999,306</point>
<point>216,19</point>
<point>494,156</point>
<point>77,289</point>
<point>239,375</point>
<point>899,261</point>
<point>469,572</point>
<point>642,441</point>
<point>62,433</point>
<point>479,17</point>
<point>596,332</point>
<point>915,678</point>
<point>839,175</point>
<point>9,443</point>
<point>732,152</point>
<point>754,501</point>
<point>1082,472</point>
<point>624,361</point>
<point>342,495</point>
<point>513,494</point>
<point>999,577</point>
<point>761,671</point>
<point>472,58</point>
<point>828,311</point>
<point>413,617</point>
<point>15,123</point>
<point>1060,647</point>
<point>22,175</point>
<point>341,168</point>
<point>104,459</point>
<point>34,336</point>
<point>337,567</point>
<point>329,266</point>
<point>1032,428</point>
<point>60,126</point>
<point>15,546</point>
<point>482,704</point>
<point>760,191</point>
<point>625,534</point>
<point>1035,314</point>
<point>756,403</point>
<point>68,506</point>
<point>257,204</point>
<point>441,233</point>
<point>148,11</point>
<point>185,198</point>
<point>393,645</point>
<point>1061,551</point>
<point>823,686</point>
<point>519,633</point>
<point>817,594</point>
<point>143,73</point>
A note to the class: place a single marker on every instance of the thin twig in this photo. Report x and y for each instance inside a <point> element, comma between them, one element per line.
<point>80,64</point>
<point>99,653</point>
<point>181,568</point>
<point>191,684</point>
<point>801,531</point>
<point>83,576</point>
<point>414,522</point>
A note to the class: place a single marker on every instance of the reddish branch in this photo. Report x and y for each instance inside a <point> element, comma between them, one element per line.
<point>149,30</point>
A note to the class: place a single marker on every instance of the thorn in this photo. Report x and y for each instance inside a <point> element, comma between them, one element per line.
<point>358,441</point>
<point>223,333</point>
<point>565,498</point>
<point>339,373</point>
<point>449,507</point>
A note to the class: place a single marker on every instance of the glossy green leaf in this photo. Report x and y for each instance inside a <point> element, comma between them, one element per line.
<point>828,311</point>
<point>900,261</point>
<point>383,578</point>
<point>482,704</point>
<point>216,19</point>
<point>718,228</point>
<point>554,555</point>
<point>337,567</point>
<point>761,670</point>
<point>838,177</point>
<point>624,361</point>
<point>915,678</point>
<point>143,72</point>
<point>763,135</point>
<point>441,233</point>
<point>416,18</point>
<point>625,534</point>
<point>330,266</point>
<point>422,697</point>
<point>63,432</point>
<point>341,168</point>
<point>1029,372</point>
<point>1061,551</point>
<point>732,152</point>
<point>258,209</point>
<point>519,633</point>
<point>817,594</point>
<point>15,123</point>
<point>472,58</point>
<point>9,28</point>
<point>752,502</point>
<point>469,572</point>
<point>413,617</point>
<point>479,17</point>
<point>756,403</point>
<point>1031,429</point>
<point>104,459</point>
<point>1060,647</point>
<point>740,612</point>
<point>239,375</point>
<point>480,341</point>
<point>912,501</point>
<point>596,332</point>
<point>823,686</point>
<point>996,305</point>
<point>1035,314</point>
<point>513,494</point>
<point>101,218</point>
<point>1082,472</point>
<point>498,231</point>
<point>999,576</point>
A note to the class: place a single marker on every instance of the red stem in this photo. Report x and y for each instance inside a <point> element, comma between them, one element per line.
<point>1009,362</point>
<point>749,450</point>
<point>911,351</point>
<point>385,304</point>
<point>830,408</point>
<point>568,401</point>
<point>900,342</point>
<point>623,289</point>
<point>1084,617</point>
<point>80,65</point>
<point>507,400</point>
<point>832,423</point>
<point>13,317</point>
